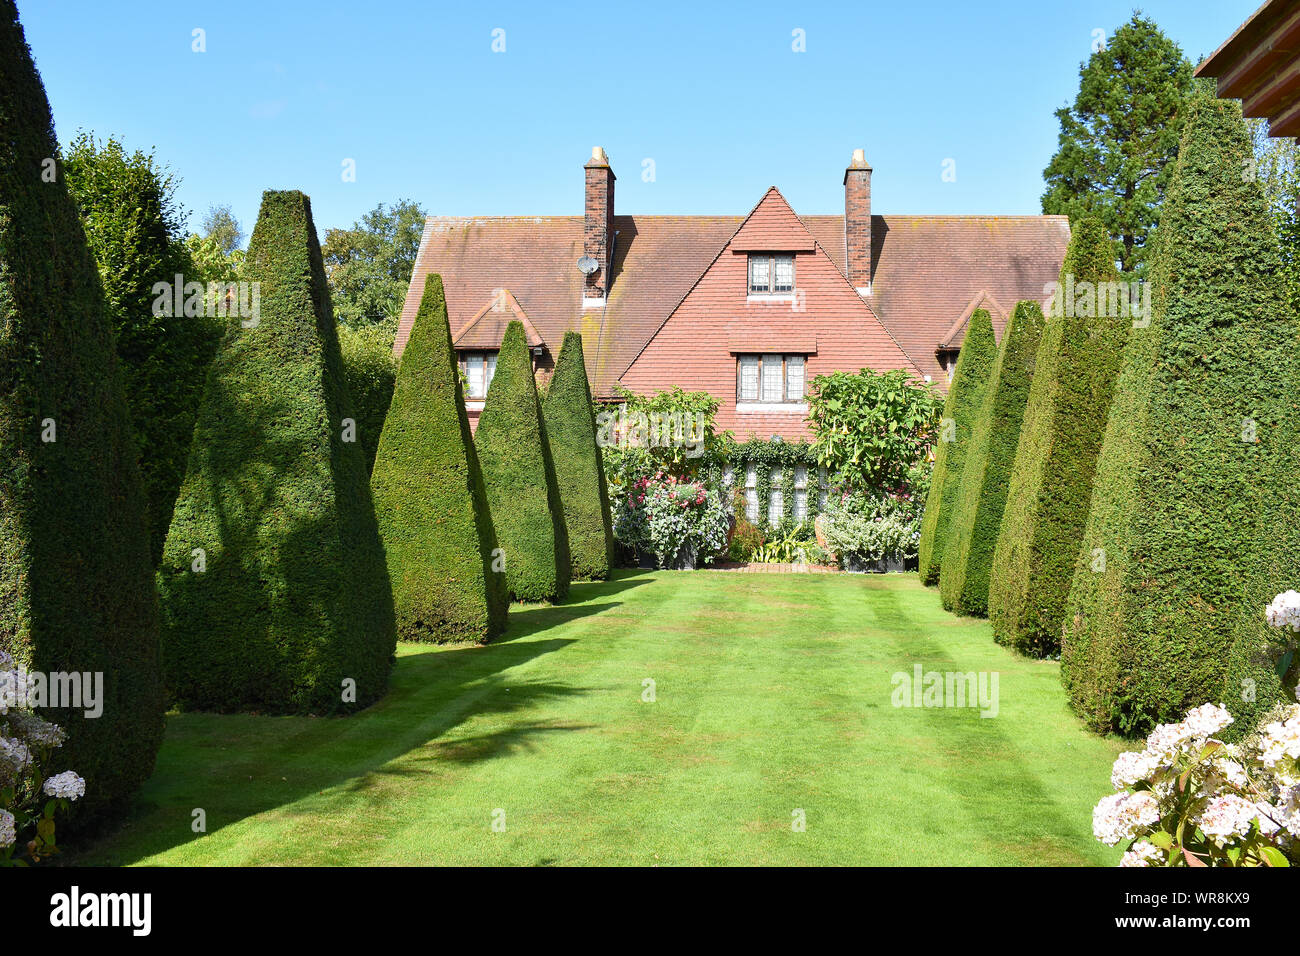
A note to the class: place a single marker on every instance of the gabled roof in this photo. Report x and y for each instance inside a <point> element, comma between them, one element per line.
<point>656,259</point>
<point>488,326</point>
<point>927,269</point>
<point>773,225</point>
<point>956,335</point>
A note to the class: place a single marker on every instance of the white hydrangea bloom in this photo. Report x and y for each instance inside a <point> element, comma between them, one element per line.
<point>7,832</point>
<point>67,785</point>
<point>1284,612</point>
<point>1226,818</point>
<point>1132,766</point>
<point>1120,815</point>
<point>15,753</point>
<point>1206,721</point>
<point>1280,740</point>
<point>1142,853</point>
<point>36,731</point>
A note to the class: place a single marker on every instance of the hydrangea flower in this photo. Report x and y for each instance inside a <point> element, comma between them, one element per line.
<point>1119,816</point>
<point>1142,853</point>
<point>1284,612</point>
<point>7,832</point>
<point>1226,818</point>
<point>67,785</point>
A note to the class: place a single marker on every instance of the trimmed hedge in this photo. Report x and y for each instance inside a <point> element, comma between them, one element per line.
<point>973,532</point>
<point>1195,501</point>
<point>1051,483</point>
<point>370,369</point>
<point>579,474</point>
<point>970,382</point>
<point>293,598</point>
<point>76,580</point>
<point>429,495</point>
<point>520,477</point>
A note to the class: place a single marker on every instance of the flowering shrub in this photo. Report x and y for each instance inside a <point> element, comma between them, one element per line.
<point>873,527</point>
<point>1189,799</point>
<point>1284,614</point>
<point>29,799</point>
<point>672,518</point>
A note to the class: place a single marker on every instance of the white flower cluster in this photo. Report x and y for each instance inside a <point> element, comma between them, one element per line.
<point>1280,740</point>
<point>1141,853</point>
<point>1284,612</point>
<point>1122,815</point>
<point>1238,802</point>
<point>67,785</point>
<point>25,742</point>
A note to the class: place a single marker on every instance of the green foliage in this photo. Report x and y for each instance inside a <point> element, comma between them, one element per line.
<point>973,533</point>
<point>222,228</point>
<point>1065,418</point>
<point>293,598</point>
<point>132,224</point>
<point>970,381</point>
<point>745,540</point>
<point>872,527</point>
<point>371,371</point>
<point>775,462</point>
<point>369,266</point>
<point>1120,138</point>
<point>519,474</point>
<point>873,430</point>
<point>76,584</point>
<point>670,431</point>
<point>579,471</point>
<point>1196,492</point>
<point>429,495</point>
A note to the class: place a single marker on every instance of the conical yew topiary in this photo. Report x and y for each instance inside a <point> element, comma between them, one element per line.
<point>275,593</point>
<point>76,582</point>
<point>571,431</point>
<point>1088,322</point>
<point>520,477</point>
<point>973,532</point>
<point>1195,510</point>
<point>970,382</point>
<point>429,495</point>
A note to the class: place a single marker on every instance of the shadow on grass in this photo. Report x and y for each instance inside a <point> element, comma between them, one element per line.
<point>235,766</point>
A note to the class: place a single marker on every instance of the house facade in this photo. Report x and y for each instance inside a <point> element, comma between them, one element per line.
<point>747,308</point>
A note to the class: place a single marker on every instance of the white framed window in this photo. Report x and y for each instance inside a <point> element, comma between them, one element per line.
<point>775,502</point>
<point>794,378</point>
<point>751,493</point>
<point>771,390</point>
<point>770,378</point>
<point>800,493</point>
<point>823,488</point>
<point>747,379</point>
<point>771,274</point>
<point>478,369</point>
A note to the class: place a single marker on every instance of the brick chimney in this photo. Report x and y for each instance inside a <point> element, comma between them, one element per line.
<point>598,223</point>
<point>857,222</point>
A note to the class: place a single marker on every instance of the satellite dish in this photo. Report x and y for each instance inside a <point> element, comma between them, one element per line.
<point>588,264</point>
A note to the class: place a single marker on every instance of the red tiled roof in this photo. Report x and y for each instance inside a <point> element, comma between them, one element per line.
<point>952,341</point>
<point>488,327</point>
<point>927,269</point>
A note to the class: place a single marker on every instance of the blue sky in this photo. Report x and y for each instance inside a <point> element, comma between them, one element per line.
<point>713,94</point>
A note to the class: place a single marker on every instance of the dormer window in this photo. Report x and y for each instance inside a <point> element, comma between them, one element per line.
<point>771,274</point>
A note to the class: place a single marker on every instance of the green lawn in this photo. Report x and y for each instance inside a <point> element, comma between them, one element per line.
<point>773,695</point>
